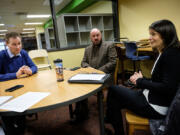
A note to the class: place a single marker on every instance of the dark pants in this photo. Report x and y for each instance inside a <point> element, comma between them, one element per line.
<point>81,110</point>
<point>124,98</point>
<point>13,125</point>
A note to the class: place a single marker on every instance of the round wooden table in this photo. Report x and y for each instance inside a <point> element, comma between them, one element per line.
<point>61,93</point>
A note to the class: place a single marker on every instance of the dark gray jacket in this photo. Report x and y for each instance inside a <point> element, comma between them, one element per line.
<point>101,57</point>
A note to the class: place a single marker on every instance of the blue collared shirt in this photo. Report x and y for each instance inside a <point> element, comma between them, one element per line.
<point>10,54</point>
<point>10,64</point>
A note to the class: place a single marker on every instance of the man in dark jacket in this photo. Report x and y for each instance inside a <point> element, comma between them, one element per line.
<point>99,55</point>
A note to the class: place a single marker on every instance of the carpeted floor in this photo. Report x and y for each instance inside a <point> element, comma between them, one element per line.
<point>56,122</point>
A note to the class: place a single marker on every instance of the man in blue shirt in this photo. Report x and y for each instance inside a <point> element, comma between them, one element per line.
<point>14,63</point>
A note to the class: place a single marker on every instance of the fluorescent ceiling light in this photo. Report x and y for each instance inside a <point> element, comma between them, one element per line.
<point>2,34</point>
<point>56,2</point>
<point>3,30</point>
<point>38,16</point>
<point>35,23</point>
<point>27,32</point>
<point>1,24</point>
<point>28,29</point>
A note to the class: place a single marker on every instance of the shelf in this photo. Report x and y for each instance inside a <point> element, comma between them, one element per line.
<point>85,38</point>
<point>84,23</point>
<point>85,31</point>
<point>73,39</point>
<point>42,36</point>
<point>52,43</point>
<point>108,35</point>
<point>97,22</point>
<point>72,32</point>
<point>51,32</point>
<point>107,29</point>
<point>74,29</point>
<point>71,23</point>
<point>108,22</point>
<point>42,41</point>
<point>51,38</point>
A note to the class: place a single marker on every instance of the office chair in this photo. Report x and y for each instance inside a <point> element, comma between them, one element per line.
<point>40,54</point>
<point>132,54</point>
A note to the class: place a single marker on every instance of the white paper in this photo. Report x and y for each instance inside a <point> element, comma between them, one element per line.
<point>23,102</point>
<point>95,77</point>
<point>3,99</point>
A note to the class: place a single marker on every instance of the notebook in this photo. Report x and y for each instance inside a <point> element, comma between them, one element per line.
<point>89,78</point>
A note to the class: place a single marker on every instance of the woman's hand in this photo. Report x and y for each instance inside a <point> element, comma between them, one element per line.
<point>136,76</point>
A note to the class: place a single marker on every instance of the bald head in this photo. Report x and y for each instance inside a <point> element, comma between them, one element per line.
<point>95,36</point>
<point>95,30</point>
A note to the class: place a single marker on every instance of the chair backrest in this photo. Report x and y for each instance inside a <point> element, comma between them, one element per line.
<point>119,52</point>
<point>38,53</point>
<point>172,120</point>
<point>121,39</point>
<point>169,125</point>
<point>42,55</point>
<point>131,48</point>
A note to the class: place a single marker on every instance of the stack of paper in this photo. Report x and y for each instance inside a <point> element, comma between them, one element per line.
<point>23,102</point>
<point>88,77</point>
<point>3,99</point>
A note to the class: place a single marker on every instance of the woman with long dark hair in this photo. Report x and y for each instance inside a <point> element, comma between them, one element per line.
<point>155,94</point>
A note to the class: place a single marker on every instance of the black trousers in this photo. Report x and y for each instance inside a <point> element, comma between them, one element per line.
<point>13,125</point>
<point>120,97</point>
<point>81,110</point>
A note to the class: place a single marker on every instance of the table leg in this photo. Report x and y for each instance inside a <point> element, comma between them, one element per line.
<point>101,112</point>
<point>71,111</point>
